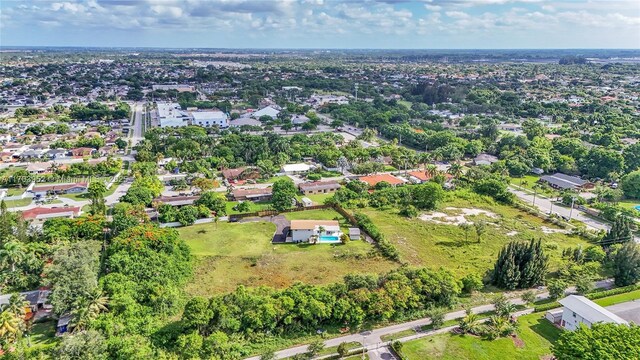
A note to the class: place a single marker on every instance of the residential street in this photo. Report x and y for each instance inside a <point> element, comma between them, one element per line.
<point>545,205</point>
<point>372,339</point>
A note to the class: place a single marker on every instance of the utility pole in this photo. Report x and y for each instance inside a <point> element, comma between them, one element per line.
<point>573,200</point>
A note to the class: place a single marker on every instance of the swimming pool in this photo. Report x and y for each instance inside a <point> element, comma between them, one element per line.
<point>329,238</point>
<point>638,207</point>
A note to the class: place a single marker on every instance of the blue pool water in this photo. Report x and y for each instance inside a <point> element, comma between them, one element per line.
<point>638,207</point>
<point>329,238</point>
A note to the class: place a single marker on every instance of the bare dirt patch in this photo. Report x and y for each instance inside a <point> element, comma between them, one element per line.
<point>519,343</point>
<point>456,216</point>
<point>548,230</point>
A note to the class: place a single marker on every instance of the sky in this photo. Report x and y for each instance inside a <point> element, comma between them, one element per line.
<point>370,24</point>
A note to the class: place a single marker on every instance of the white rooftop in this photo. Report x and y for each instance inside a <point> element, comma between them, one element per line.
<point>206,115</point>
<point>270,111</point>
<point>590,311</point>
<point>296,167</point>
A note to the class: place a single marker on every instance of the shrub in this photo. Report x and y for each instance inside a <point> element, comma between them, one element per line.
<point>471,283</point>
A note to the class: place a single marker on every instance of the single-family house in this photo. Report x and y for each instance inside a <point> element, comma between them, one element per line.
<point>255,195</point>
<point>177,201</point>
<point>42,214</point>
<point>319,187</point>
<point>82,151</point>
<point>241,173</point>
<point>36,300</point>
<point>372,180</point>
<point>321,231</point>
<point>6,156</point>
<point>484,159</point>
<point>296,168</point>
<point>39,168</point>
<point>57,189</point>
<point>580,310</point>
<point>299,119</point>
<point>54,154</point>
<point>566,182</point>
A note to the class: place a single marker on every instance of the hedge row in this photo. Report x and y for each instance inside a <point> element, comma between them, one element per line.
<point>387,249</point>
<point>592,296</point>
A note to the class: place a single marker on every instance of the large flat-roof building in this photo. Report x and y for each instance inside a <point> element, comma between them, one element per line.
<point>171,115</point>
<point>177,87</point>
<point>210,118</point>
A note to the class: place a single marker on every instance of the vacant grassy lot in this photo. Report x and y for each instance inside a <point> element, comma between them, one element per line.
<point>232,254</point>
<point>427,243</point>
<point>537,334</point>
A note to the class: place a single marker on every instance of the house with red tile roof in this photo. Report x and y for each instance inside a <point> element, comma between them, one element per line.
<point>42,213</point>
<point>372,180</point>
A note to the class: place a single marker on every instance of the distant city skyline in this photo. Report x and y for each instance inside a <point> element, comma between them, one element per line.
<point>337,24</point>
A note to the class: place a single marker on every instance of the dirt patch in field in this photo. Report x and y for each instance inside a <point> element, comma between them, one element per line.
<point>456,216</point>
<point>512,233</point>
<point>517,341</point>
<point>548,230</point>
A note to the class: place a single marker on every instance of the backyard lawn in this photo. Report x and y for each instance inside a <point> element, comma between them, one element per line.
<point>537,335</point>
<point>42,335</point>
<point>436,242</point>
<point>232,254</point>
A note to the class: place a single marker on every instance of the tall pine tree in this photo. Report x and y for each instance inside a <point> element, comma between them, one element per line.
<point>620,232</point>
<point>520,265</point>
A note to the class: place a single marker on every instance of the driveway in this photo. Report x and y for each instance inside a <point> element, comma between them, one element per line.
<point>629,310</point>
<point>282,228</point>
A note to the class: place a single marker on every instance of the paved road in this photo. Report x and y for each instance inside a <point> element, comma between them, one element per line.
<point>371,339</point>
<point>546,206</point>
<point>137,136</point>
<point>629,310</point>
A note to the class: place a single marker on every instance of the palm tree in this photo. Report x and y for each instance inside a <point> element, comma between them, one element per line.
<point>456,170</point>
<point>97,302</point>
<point>88,309</point>
<point>17,305</point>
<point>12,253</point>
<point>9,326</point>
<point>431,171</point>
<point>506,310</point>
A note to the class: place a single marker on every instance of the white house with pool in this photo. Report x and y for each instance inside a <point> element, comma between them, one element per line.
<point>320,231</point>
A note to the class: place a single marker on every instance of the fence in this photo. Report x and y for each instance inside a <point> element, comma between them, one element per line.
<point>262,213</point>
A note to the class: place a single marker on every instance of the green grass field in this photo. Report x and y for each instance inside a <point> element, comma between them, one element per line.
<point>17,203</point>
<point>536,333</point>
<point>253,207</point>
<point>425,243</point>
<point>42,335</point>
<point>528,181</point>
<point>232,254</point>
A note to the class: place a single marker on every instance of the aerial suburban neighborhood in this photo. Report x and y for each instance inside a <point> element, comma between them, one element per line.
<point>187,202</point>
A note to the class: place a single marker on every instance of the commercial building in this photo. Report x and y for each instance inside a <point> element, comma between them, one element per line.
<point>177,87</point>
<point>171,115</point>
<point>210,118</point>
